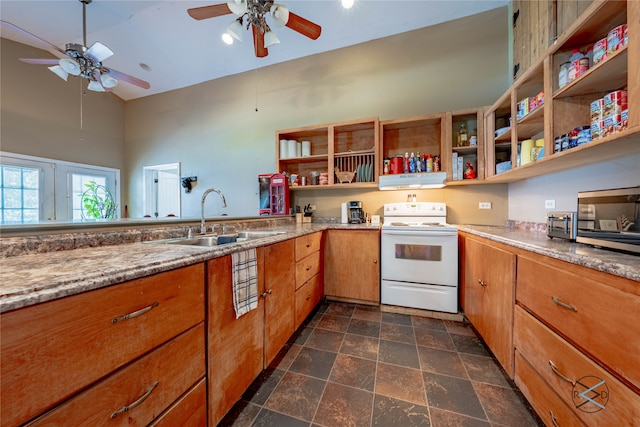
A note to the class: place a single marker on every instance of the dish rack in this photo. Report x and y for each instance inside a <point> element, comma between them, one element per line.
<point>355,168</point>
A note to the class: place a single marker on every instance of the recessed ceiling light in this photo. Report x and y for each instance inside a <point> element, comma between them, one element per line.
<point>145,66</point>
<point>348,4</point>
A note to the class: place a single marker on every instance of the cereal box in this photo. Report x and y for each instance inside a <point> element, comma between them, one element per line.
<point>597,107</point>
<point>599,51</point>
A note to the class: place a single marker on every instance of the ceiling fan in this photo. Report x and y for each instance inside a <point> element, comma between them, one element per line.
<point>253,13</point>
<point>78,60</point>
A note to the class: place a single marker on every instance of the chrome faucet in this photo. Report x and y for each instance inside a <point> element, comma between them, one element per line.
<point>203,227</point>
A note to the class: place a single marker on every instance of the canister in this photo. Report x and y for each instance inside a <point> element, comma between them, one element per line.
<point>306,148</point>
<point>525,151</point>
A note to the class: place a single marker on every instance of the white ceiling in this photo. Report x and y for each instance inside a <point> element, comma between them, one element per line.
<point>181,51</point>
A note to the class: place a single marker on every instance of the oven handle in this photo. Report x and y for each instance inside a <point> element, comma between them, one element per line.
<point>432,233</point>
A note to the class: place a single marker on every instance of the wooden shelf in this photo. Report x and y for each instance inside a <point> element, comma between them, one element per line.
<point>306,159</point>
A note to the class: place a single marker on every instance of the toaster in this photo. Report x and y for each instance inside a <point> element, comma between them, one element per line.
<point>562,224</point>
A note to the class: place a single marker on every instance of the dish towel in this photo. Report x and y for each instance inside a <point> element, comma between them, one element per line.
<point>245,281</point>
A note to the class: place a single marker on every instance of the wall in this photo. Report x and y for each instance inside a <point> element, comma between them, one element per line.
<point>526,198</point>
<point>41,114</point>
<point>213,130</point>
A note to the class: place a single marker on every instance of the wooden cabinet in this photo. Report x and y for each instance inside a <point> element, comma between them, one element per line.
<point>489,295</point>
<point>235,346</point>
<point>534,30</point>
<point>188,411</point>
<point>471,151</point>
<point>45,347</point>
<point>277,272</point>
<point>135,394</point>
<point>350,146</point>
<point>568,107</point>
<point>352,267</point>
<point>309,289</point>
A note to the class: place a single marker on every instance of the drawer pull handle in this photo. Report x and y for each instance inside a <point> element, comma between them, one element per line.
<point>265,293</point>
<point>554,420</point>
<point>558,373</point>
<point>136,403</point>
<point>375,261</point>
<point>482,282</point>
<point>135,313</point>
<point>308,245</point>
<point>308,267</point>
<point>563,304</point>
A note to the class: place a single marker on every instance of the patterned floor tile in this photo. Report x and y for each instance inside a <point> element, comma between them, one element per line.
<point>364,327</point>
<point>297,396</point>
<point>361,346</point>
<point>398,353</point>
<point>344,406</point>
<point>354,372</point>
<point>325,340</point>
<point>452,394</point>
<point>313,362</point>
<point>441,362</point>
<point>399,333</point>
<point>400,383</point>
<point>388,411</point>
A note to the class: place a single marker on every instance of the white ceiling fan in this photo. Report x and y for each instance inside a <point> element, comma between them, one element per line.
<point>78,60</point>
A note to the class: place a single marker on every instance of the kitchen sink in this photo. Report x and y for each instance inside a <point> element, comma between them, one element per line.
<point>220,239</point>
<point>258,234</point>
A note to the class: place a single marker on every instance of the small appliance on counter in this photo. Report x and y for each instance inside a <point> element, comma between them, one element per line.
<point>562,225</point>
<point>356,213</point>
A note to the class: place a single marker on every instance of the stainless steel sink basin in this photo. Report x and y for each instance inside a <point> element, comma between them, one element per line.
<point>258,234</point>
<point>207,240</point>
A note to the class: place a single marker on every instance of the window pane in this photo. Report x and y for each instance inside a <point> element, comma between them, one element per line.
<point>30,200</point>
<point>12,177</point>
<point>19,194</point>
<point>80,186</point>
<point>12,199</point>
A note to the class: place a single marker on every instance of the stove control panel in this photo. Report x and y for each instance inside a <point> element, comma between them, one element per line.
<point>415,209</point>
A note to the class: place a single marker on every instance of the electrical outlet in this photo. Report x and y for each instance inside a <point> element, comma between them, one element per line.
<point>549,204</point>
<point>484,205</point>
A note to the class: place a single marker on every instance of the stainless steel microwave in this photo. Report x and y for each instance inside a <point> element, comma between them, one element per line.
<point>610,219</point>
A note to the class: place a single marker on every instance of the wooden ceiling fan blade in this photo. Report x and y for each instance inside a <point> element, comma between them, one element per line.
<point>40,61</point>
<point>258,42</point>
<point>303,26</point>
<point>206,12</point>
<point>119,75</point>
<point>43,43</point>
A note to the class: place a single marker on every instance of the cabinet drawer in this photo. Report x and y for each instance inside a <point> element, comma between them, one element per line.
<point>543,399</point>
<point>306,268</point>
<point>189,411</point>
<point>307,297</point>
<point>596,317</point>
<point>307,244</point>
<point>154,382</point>
<point>561,366</point>
<point>52,343</point>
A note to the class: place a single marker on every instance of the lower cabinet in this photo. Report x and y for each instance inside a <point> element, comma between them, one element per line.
<point>81,359</point>
<point>188,411</point>
<point>489,295</point>
<point>309,282</point>
<point>351,265</point>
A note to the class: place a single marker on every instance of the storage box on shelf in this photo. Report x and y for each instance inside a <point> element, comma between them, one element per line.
<point>568,107</point>
<point>462,152</point>
<point>349,146</point>
<point>420,134</point>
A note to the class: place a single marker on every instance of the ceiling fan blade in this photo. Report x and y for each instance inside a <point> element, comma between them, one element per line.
<point>98,52</point>
<point>258,42</point>
<point>43,43</point>
<point>119,75</point>
<point>39,61</point>
<point>206,12</point>
<point>303,26</point>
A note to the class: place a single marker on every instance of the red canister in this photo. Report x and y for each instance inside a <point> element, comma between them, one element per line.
<point>396,165</point>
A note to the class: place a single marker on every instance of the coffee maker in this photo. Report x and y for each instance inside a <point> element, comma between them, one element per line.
<point>356,213</point>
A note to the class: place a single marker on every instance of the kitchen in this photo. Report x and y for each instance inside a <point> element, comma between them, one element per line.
<point>346,84</point>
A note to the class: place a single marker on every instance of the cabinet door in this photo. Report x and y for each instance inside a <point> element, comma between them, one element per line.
<point>235,345</point>
<point>533,31</point>
<point>279,290</point>
<point>490,275</point>
<point>352,270</point>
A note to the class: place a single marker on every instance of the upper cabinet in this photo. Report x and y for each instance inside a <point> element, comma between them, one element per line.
<point>549,121</point>
<point>330,155</point>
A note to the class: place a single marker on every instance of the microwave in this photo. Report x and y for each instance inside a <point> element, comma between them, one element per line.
<point>610,219</point>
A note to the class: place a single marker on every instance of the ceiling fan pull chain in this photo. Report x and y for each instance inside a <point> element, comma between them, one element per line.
<point>81,111</point>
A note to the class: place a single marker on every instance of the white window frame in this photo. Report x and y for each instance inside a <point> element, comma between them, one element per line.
<point>55,182</point>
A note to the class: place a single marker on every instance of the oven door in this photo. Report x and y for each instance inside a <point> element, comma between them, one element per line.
<point>418,256</point>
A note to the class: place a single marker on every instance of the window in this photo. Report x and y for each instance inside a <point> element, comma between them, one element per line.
<point>36,189</point>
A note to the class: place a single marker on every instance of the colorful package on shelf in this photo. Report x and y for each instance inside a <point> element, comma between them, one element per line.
<point>599,51</point>
<point>454,166</point>
<point>615,39</point>
<point>597,108</point>
<point>597,127</point>
<point>624,120</point>
<point>610,124</point>
<point>523,109</point>
<point>614,102</point>
<point>503,167</point>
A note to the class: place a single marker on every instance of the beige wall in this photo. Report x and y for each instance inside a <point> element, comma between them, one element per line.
<point>213,130</point>
<point>40,113</point>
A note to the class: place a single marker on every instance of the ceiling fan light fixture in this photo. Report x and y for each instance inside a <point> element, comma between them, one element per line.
<point>280,15</point>
<point>238,7</point>
<point>227,39</point>
<point>95,86</point>
<point>70,66</point>
<point>108,81</point>
<point>234,29</point>
<point>270,38</point>
<point>348,4</point>
<point>59,71</point>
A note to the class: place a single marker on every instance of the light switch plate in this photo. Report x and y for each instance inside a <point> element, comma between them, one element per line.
<point>549,204</point>
<point>484,205</point>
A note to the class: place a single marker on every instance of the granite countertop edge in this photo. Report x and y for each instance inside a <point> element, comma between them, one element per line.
<point>612,262</point>
<point>40,277</point>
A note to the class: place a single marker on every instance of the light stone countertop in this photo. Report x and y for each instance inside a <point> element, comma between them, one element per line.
<point>608,261</point>
<point>38,277</point>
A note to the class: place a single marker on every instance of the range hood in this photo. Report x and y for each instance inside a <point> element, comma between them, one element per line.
<point>412,181</point>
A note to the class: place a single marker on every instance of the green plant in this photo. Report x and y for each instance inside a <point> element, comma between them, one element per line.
<point>97,202</point>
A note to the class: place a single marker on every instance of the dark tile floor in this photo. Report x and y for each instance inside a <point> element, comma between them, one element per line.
<point>354,365</point>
